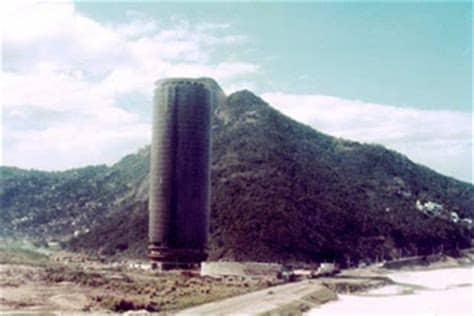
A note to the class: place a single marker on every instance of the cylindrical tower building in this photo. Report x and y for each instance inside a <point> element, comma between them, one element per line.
<point>179,196</point>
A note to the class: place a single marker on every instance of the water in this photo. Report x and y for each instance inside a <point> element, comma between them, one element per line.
<point>437,292</point>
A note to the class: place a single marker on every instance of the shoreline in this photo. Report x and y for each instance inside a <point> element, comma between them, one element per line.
<point>443,291</point>
<point>362,280</point>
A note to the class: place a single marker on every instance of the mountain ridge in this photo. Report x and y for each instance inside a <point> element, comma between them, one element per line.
<point>281,191</point>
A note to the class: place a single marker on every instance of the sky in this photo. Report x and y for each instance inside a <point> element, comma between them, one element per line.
<point>77,78</point>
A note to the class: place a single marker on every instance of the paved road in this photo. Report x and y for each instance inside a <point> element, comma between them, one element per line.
<point>258,302</point>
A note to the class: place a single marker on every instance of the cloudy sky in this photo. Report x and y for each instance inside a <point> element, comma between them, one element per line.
<point>77,78</point>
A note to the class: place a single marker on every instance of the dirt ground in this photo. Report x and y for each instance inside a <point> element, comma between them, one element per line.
<point>62,283</point>
<point>60,289</point>
<point>23,292</point>
<point>73,285</point>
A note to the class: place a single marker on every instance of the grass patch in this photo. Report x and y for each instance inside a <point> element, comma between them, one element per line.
<point>12,255</point>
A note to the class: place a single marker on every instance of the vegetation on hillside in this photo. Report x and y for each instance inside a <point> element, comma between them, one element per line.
<point>281,191</point>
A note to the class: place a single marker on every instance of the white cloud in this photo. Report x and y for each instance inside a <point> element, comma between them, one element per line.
<point>64,72</point>
<point>53,33</point>
<point>439,139</point>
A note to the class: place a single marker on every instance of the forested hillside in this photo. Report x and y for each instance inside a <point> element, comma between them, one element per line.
<point>281,191</point>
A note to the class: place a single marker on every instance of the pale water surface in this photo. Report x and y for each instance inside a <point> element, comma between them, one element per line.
<point>436,292</point>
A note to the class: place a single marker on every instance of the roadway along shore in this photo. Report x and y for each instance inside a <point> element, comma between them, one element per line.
<point>265,301</point>
<point>296,298</point>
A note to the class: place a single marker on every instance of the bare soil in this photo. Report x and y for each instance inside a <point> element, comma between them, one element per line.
<point>53,286</point>
<point>70,284</point>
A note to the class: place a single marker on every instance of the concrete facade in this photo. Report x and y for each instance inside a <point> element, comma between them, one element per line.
<point>179,196</point>
<point>242,269</point>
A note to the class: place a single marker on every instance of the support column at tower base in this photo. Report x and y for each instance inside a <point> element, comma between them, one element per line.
<point>164,258</point>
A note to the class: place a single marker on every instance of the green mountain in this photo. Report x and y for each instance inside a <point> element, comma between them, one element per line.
<point>281,191</point>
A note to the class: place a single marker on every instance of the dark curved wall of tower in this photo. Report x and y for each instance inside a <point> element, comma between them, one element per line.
<point>179,197</point>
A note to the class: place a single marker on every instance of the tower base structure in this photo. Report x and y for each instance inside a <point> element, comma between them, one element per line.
<point>164,258</point>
